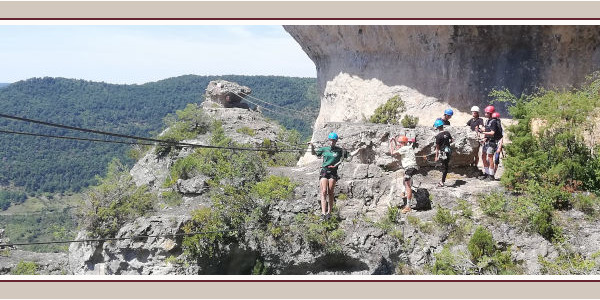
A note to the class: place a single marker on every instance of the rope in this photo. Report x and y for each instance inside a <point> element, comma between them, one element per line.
<point>273,104</point>
<point>295,116</point>
<point>172,143</point>
<point>73,138</point>
<point>116,238</point>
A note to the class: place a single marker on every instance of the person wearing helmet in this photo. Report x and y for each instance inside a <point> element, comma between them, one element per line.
<point>475,123</point>
<point>442,148</point>
<point>492,135</point>
<point>332,158</point>
<point>446,117</point>
<point>496,116</point>
<point>400,146</point>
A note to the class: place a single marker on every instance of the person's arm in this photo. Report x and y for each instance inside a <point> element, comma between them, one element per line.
<point>500,146</point>
<point>394,146</point>
<point>437,151</point>
<point>312,149</point>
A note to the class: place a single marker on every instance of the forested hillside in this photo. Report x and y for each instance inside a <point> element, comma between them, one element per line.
<point>51,165</point>
<point>3,85</point>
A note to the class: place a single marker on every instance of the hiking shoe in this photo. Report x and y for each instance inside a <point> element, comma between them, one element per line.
<point>406,209</point>
<point>489,178</point>
<point>482,176</point>
<point>324,217</point>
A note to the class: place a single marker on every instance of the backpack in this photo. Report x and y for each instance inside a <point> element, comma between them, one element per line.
<point>422,198</point>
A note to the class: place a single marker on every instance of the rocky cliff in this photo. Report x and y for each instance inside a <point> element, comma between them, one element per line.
<point>433,67</point>
<point>367,235</point>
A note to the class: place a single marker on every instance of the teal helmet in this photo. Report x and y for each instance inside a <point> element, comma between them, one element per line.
<point>438,123</point>
<point>333,136</point>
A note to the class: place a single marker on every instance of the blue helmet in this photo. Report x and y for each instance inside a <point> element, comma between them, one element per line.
<point>333,136</point>
<point>449,112</point>
<point>438,123</point>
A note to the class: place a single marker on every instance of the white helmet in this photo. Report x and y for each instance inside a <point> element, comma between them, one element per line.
<point>475,108</point>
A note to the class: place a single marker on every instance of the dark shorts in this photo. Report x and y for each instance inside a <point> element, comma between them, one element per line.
<point>329,173</point>
<point>408,173</point>
<point>490,147</point>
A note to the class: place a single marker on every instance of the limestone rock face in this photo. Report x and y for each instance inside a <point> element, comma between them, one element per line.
<point>359,67</point>
<point>228,94</point>
<point>373,142</point>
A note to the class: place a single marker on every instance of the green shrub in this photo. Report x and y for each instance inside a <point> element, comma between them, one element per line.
<point>246,130</point>
<point>186,124</point>
<point>115,201</point>
<point>557,154</point>
<point>570,263</point>
<point>445,263</point>
<point>409,121</point>
<point>321,235</point>
<point>274,188</point>
<point>480,244</point>
<point>286,139</point>
<point>25,268</point>
<point>172,198</point>
<point>212,234</point>
<point>589,204</point>
<point>444,217</point>
<point>493,204</point>
<point>342,196</point>
<point>465,209</point>
<point>389,112</point>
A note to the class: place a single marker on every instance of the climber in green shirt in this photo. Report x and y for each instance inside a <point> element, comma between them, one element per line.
<point>332,158</point>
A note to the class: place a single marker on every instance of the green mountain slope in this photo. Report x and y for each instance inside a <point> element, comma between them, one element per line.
<point>51,165</point>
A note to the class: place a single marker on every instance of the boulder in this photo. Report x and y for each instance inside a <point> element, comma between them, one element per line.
<point>228,94</point>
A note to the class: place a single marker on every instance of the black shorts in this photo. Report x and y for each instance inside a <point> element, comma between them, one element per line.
<point>408,173</point>
<point>329,173</point>
<point>490,147</point>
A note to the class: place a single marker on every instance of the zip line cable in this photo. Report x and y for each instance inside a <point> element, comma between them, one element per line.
<point>118,238</point>
<point>295,116</point>
<point>171,143</point>
<point>273,104</point>
<point>73,138</point>
<point>134,237</point>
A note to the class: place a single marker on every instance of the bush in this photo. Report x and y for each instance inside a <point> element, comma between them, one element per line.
<point>25,268</point>
<point>208,242</point>
<point>444,217</point>
<point>480,244</point>
<point>246,130</point>
<point>465,209</point>
<point>589,204</point>
<point>556,155</point>
<point>186,124</point>
<point>388,113</point>
<point>445,263</point>
<point>409,121</point>
<point>115,201</point>
<point>570,263</point>
<point>493,204</point>
<point>274,188</point>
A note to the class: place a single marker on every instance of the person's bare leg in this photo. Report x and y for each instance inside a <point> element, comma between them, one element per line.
<point>323,183</point>
<point>331,194</point>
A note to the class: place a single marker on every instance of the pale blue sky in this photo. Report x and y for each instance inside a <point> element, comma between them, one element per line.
<point>144,53</point>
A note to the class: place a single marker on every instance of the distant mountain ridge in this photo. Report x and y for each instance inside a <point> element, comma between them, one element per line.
<point>3,85</point>
<point>51,165</point>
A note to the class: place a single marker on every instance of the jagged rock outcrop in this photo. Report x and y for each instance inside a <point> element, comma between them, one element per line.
<point>228,94</point>
<point>373,140</point>
<point>360,67</point>
<point>370,184</point>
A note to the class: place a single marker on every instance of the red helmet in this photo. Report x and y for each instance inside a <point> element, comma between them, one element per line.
<point>402,139</point>
<point>496,115</point>
<point>489,109</point>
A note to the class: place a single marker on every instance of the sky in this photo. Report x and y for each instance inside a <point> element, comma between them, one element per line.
<point>136,54</point>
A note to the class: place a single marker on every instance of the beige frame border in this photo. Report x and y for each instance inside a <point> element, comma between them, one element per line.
<point>278,287</point>
<point>300,9</point>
